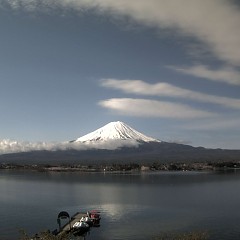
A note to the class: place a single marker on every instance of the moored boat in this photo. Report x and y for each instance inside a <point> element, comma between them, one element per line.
<point>94,215</point>
<point>87,220</point>
<point>80,228</point>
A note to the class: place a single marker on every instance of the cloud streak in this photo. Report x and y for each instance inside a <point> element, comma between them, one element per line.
<point>226,75</point>
<point>215,23</point>
<point>162,89</point>
<point>214,124</point>
<point>152,108</point>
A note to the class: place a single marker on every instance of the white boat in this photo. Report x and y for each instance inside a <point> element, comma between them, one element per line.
<point>87,220</point>
<point>80,227</point>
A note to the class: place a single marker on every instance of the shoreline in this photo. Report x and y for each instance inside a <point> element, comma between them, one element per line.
<point>126,168</point>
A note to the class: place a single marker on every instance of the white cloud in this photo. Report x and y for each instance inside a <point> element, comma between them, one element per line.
<point>110,145</point>
<point>179,141</point>
<point>215,23</point>
<point>226,74</point>
<point>10,146</point>
<point>152,108</point>
<point>167,90</point>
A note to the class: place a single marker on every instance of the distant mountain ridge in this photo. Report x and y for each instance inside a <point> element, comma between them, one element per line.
<point>116,142</point>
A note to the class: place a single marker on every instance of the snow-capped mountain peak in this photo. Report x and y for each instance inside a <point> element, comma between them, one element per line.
<point>115,131</point>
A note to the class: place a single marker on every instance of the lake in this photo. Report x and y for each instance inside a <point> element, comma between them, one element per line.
<point>132,206</point>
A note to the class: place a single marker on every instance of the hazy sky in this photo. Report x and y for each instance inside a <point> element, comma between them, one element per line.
<point>169,69</point>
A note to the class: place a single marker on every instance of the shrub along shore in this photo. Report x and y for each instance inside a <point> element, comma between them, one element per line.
<point>131,167</point>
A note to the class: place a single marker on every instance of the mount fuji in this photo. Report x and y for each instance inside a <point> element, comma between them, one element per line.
<point>114,131</point>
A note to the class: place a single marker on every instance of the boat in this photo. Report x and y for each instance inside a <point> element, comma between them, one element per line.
<point>87,220</point>
<point>94,215</point>
<point>80,228</point>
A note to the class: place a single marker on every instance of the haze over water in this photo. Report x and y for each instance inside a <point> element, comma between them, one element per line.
<point>133,206</point>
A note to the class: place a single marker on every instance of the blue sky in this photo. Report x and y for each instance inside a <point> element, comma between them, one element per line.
<point>170,69</point>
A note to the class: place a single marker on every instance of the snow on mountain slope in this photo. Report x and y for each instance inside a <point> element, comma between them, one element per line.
<point>115,131</point>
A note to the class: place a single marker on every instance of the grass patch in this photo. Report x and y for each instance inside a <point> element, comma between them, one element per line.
<point>42,236</point>
<point>182,236</point>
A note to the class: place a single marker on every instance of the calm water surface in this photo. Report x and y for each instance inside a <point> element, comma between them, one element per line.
<point>133,206</point>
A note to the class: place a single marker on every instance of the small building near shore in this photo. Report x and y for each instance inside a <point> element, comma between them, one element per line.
<point>145,168</point>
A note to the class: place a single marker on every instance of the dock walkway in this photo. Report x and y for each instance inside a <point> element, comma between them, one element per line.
<point>92,221</point>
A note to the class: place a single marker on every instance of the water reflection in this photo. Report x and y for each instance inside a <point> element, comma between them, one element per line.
<point>133,206</point>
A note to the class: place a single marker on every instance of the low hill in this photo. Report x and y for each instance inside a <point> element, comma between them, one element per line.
<point>144,153</point>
